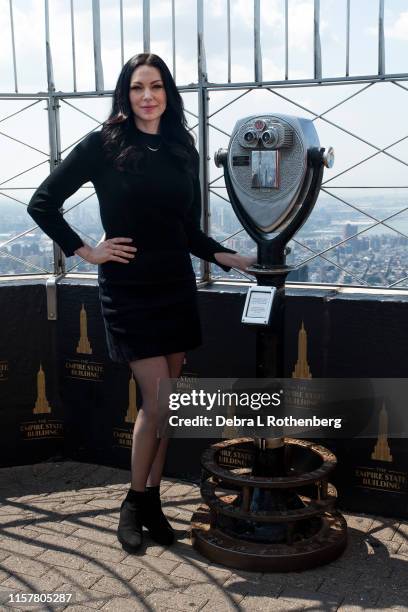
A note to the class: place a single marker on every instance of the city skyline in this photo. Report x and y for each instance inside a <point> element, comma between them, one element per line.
<point>359,260</point>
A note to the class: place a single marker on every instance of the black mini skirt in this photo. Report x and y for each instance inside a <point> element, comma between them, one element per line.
<point>149,319</point>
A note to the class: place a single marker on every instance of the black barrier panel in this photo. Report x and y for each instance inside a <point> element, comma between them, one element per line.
<point>347,336</point>
<point>368,337</point>
<point>372,475</point>
<point>30,407</point>
<point>356,336</point>
<point>46,390</point>
<point>228,350</point>
<point>307,333</point>
<point>91,385</point>
<point>228,347</point>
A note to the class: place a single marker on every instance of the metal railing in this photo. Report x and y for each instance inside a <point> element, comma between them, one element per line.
<point>202,87</point>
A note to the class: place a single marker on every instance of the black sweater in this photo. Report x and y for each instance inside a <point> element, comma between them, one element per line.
<point>159,208</point>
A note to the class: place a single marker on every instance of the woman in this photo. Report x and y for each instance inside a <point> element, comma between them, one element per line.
<point>144,167</point>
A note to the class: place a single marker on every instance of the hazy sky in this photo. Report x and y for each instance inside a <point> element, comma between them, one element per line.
<point>29,32</point>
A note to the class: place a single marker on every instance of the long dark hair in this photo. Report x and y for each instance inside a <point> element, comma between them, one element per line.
<point>173,125</point>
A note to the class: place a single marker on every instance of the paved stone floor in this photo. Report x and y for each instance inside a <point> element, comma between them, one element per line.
<point>57,535</point>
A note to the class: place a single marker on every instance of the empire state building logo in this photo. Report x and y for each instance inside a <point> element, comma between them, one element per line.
<point>41,405</point>
<point>122,435</point>
<point>302,369</point>
<point>381,450</point>
<point>83,368</point>
<point>43,426</point>
<point>84,346</point>
<point>131,413</point>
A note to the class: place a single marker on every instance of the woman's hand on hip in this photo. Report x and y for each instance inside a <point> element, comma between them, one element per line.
<point>114,249</point>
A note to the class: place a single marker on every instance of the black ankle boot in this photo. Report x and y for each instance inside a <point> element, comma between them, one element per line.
<point>153,518</point>
<point>130,530</point>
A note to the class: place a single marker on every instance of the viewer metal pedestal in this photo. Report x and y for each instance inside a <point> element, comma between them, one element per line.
<point>266,511</point>
<point>221,528</point>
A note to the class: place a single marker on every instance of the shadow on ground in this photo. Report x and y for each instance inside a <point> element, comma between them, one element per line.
<point>58,535</point>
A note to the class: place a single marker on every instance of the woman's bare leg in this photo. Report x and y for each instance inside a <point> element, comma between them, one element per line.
<point>145,443</point>
<point>175,365</point>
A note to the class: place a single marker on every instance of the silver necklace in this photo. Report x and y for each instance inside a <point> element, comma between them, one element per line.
<point>152,149</point>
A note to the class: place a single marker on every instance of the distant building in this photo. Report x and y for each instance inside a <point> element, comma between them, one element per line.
<point>349,230</point>
<point>16,250</point>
